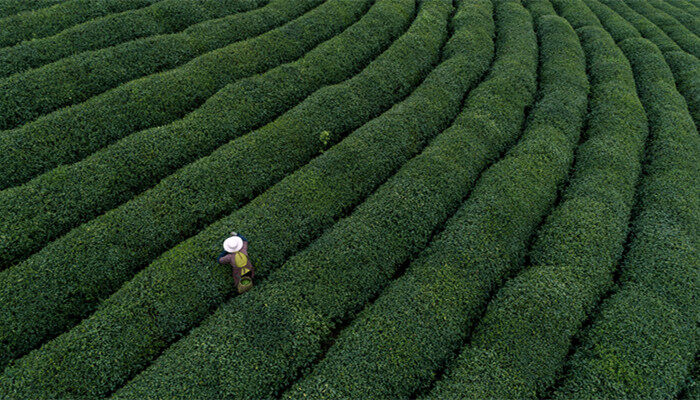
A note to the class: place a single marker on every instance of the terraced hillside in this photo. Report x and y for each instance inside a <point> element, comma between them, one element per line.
<point>444,199</point>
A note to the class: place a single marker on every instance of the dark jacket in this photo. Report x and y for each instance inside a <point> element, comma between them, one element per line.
<point>230,258</point>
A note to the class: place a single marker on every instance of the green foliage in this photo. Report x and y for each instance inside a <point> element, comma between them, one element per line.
<point>674,29</point>
<point>614,24</point>
<point>576,12</point>
<point>539,8</point>
<point>691,391</point>
<point>686,71</point>
<point>689,21</point>
<point>386,196</point>
<point>165,16</point>
<point>26,96</point>
<point>685,67</point>
<point>29,217</point>
<point>105,252</point>
<point>643,342</point>
<point>338,273</point>
<point>686,6</point>
<point>72,133</point>
<point>547,147</point>
<point>274,223</point>
<point>521,343</point>
<point>47,21</point>
<point>643,25</point>
<point>414,326</point>
<point>11,7</point>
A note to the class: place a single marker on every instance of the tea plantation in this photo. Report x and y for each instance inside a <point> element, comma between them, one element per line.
<point>442,199</point>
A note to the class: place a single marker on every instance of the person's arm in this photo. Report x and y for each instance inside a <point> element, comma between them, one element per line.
<point>221,255</point>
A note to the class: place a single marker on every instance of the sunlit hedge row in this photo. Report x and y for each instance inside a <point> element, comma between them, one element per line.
<point>643,342</point>
<point>421,319</point>
<point>273,223</point>
<point>520,345</point>
<point>165,16</point>
<point>93,260</point>
<point>28,95</point>
<point>338,273</point>
<point>71,133</point>
<point>44,17</point>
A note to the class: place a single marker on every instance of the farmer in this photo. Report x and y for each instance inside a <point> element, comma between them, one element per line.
<point>236,253</point>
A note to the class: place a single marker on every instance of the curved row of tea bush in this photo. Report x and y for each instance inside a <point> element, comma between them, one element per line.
<point>165,16</point>
<point>350,263</point>
<point>137,232</point>
<point>616,26</point>
<point>686,39</point>
<point>684,66</point>
<point>541,8</point>
<point>47,21</point>
<point>689,21</point>
<point>575,12</point>
<point>686,6</point>
<point>643,342</point>
<point>520,345</point>
<point>69,134</point>
<point>647,29</point>
<point>11,7</point>
<point>26,96</point>
<point>686,71</point>
<point>276,226</point>
<point>421,319</point>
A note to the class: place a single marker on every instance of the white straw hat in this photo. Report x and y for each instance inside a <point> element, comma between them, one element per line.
<point>233,244</point>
